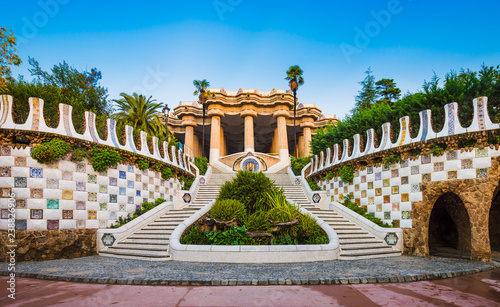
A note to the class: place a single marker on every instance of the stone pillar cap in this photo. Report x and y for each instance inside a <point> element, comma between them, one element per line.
<point>248,112</point>
<point>215,112</point>
<point>279,113</point>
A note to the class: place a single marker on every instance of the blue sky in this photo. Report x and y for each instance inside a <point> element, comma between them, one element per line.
<point>159,47</point>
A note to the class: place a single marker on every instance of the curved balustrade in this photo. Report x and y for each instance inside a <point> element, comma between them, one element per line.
<point>36,122</point>
<point>480,122</point>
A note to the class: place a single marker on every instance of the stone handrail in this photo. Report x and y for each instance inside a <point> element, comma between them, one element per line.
<point>36,122</point>
<point>480,122</point>
<point>252,253</point>
<point>139,222</point>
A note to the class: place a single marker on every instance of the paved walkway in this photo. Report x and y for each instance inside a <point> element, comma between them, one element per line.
<point>136,272</point>
<point>481,289</point>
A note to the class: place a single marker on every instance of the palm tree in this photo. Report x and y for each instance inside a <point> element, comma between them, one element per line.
<point>140,113</point>
<point>201,91</point>
<point>294,78</point>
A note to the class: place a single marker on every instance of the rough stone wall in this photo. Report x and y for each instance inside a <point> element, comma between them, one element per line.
<point>476,195</point>
<point>35,245</point>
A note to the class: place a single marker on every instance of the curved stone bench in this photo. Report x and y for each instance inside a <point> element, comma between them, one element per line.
<point>252,253</point>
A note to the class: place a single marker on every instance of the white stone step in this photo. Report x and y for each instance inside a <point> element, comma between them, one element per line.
<point>139,247</point>
<point>163,241</point>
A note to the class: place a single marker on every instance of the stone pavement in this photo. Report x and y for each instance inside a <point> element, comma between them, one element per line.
<point>480,289</point>
<point>137,272</point>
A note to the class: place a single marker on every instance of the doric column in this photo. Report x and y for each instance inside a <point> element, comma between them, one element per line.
<point>223,148</point>
<point>274,144</point>
<point>300,146</point>
<point>306,130</point>
<point>197,147</point>
<point>189,124</point>
<point>216,116</point>
<point>248,115</point>
<point>281,116</point>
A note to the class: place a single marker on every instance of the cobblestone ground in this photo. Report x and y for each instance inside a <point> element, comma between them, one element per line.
<point>480,289</point>
<point>121,271</point>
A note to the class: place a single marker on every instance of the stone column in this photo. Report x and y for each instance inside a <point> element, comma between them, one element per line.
<point>248,115</point>
<point>282,134</point>
<point>189,124</point>
<point>301,149</point>
<point>223,148</point>
<point>274,144</point>
<point>307,141</point>
<point>216,116</point>
<point>197,146</point>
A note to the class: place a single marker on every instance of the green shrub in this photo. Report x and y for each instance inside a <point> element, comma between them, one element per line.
<point>313,185</point>
<point>146,206</point>
<point>437,150</point>
<point>102,159</point>
<point>281,210</point>
<point>187,182</point>
<point>349,204</point>
<point>232,236</point>
<point>250,189</point>
<point>392,159</point>
<point>309,226</point>
<point>78,154</point>
<point>472,142</point>
<point>416,152</point>
<point>346,173</point>
<point>227,209</point>
<point>257,221</point>
<point>284,240</point>
<point>202,164</point>
<point>495,139</point>
<point>166,173</point>
<point>50,151</point>
<point>317,239</point>
<point>194,236</point>
<point>141,164</point>
<point>159,201</point>
<point>329,176</point>
<point>297,164</point>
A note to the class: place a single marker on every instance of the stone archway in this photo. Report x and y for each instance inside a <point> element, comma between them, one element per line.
<point>494,225</point>
<point>449,228</point>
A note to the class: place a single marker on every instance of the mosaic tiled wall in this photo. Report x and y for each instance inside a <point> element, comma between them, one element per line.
<point>69,195</point>
<point>388,192</point>
<point>480,122</point>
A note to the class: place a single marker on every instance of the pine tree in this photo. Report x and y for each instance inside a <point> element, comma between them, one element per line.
<point>368,94</point>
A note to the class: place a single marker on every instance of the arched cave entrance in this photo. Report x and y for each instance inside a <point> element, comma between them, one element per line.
<point>494,225</point>
<point>449,228</point>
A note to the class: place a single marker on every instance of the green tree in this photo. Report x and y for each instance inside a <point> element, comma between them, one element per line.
<point>141,113</point>
<point>295,79</point>
<point>388,90</point>
<point>201,90</point>
<point>64,84</point>
<point>8,55</point>
<point>368,93</point>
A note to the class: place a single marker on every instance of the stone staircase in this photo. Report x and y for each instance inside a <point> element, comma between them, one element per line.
<point>355,242</point>
<point>151,241</point>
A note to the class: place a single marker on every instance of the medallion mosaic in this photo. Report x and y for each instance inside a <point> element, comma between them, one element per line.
<point>405,197</point>
<point>122,174</point>
<point>4,214</point>
<point>52,203</point>
<point>481,153</point>
<point>130,200</point>
<point>415,170</point>
<point>387,199</point>
<point>415,187</point>
<point>92,215</point>
<point>67,194</point>
<point>67,214</point>
<point>130,184</point>
<point>113,181</point>
<point>5,171</point>
<point>394,173</point>
<point>466,163</point>
<point>451,155</point>
<point>21,203</point>
<point>378,176</point>
<point>113,198</point>
<point>81,167</point>
<point>80,186</point>
<point>438,166</point>
<point>426,178</point>
<point>20,182</point>
<point>425,159</point>
<point>103,206</point>
<point>395,189</point>
<point>103,188</point>
<point>481,172</point>
<point>52,183</point>
<point>36,193</point>
<point>386,183</point>
<point>369,170</point>
<point>20,161</point>
<point>67,175</point>
<point>404,180</point>
<point>92,196</point>
<point>6,192</point>
<point>80,205</point>
<point>36,172</point>
<point>405,215</point>
<point>452,175</point>
<point>36,214</point>
<point>122,191</point>
<point>5,150</point>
